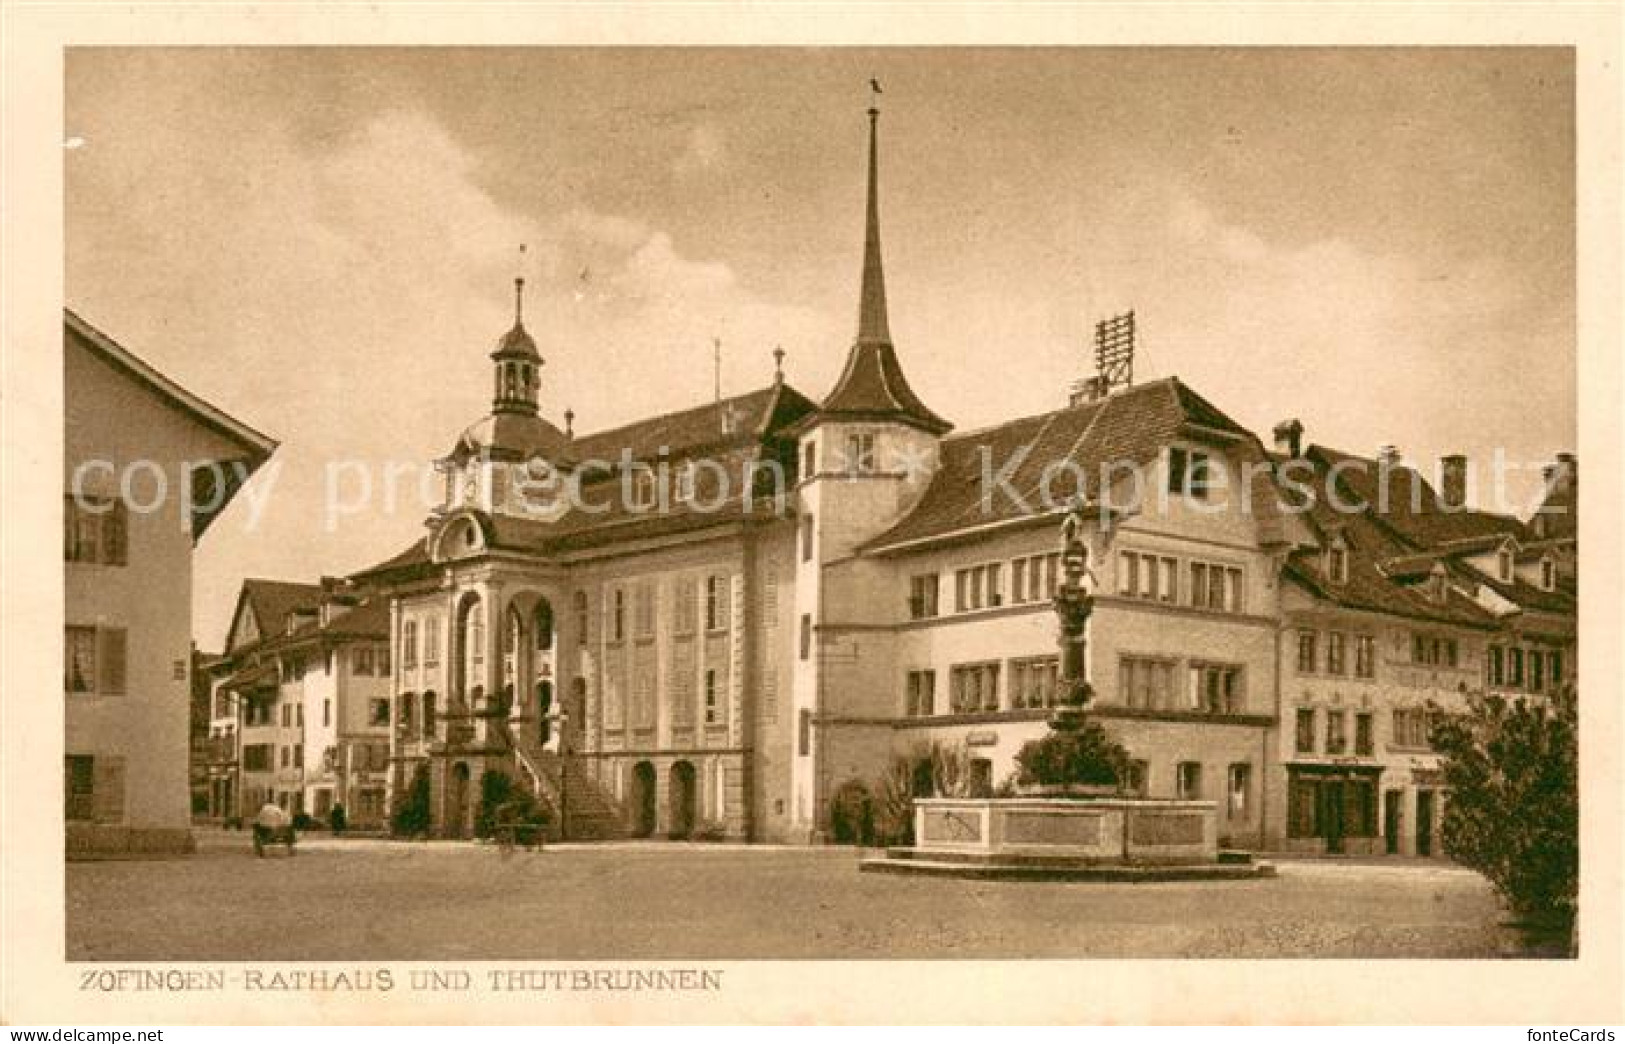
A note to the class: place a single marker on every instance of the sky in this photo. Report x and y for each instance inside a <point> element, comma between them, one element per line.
<point>322,241</point>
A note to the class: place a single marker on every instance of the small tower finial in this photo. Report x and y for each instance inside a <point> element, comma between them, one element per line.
<point>569,423</point>
<point>519,290</point>
<point>778,362</point>
<point>716,369</point>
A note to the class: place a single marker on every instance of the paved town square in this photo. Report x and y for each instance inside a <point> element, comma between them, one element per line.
<point>366,900</point>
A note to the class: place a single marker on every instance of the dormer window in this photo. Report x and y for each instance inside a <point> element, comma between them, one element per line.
<point>685,482</point>
<point>1504,565</point>
<point>643,488</point>
<point>1189,472</point>
<point>1438,585</point>
<point>1337,562</point>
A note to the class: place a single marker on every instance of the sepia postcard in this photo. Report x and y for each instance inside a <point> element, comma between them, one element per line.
<point>811,514</point>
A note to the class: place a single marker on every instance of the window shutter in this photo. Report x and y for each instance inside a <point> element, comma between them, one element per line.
<point>108,793</point>
<point>115,535</point>
<point>110,643</point>
<point>70,521</point>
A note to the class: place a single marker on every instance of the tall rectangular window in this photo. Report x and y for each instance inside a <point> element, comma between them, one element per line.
<point>1336,653</point>
<point>80,659</point>
<point>409,645</point>
<point>1305,735</point>
<point>922,596</point>
<point>1188,781</point>
<point>1239,790</point>
<point>643,611</point>
<point>1497,666</point>
<point>1336,732</point>
<point>1128,573</point>
<point>1198,584</point>
<point>1307,653</point>
<point>1168,589</point>
<point>431,642</point>
<point>79,787</point>
<point>716,602</point>
<point>922,694</point>
<point>860,453</point>
<point>712,707</point>
<point>1362,734</point>
<point>617,615</point>
<point>806,636</point>
<point>96,530</point>
<point>803,732</point>
<point>1018,581</point>
<point>807,537</point>
<point>1365,656</point>
<point>685,611</point>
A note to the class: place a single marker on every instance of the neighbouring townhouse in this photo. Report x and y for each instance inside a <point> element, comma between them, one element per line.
<point>134,441</point>
<point>1410,601</point>
<point>306,692</point>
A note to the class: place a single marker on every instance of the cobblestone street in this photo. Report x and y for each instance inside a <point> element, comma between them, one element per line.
<point>377,900</point>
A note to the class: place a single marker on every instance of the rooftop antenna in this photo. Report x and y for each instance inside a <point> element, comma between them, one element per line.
<point>716,369</point>
<point>1114,359</point>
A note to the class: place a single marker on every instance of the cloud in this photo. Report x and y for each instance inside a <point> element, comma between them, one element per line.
<point>344,298</point>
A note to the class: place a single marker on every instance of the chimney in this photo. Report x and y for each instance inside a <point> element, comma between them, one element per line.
<point>1453,480</point>
<point>1089,389</point>
<point>1289,438</point>
<point>1561,474</point>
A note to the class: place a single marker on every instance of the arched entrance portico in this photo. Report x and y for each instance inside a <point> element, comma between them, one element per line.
<point>642,799</point>
<point>681,800</point>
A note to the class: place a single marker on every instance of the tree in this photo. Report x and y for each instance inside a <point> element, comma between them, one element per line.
<point>1085,755</point>
<point>1513,812</point>
<point>411,815</point>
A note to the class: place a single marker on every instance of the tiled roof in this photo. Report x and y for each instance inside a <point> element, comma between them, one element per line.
<point>512,436</point>
<point>274,601</point>
<point>1130,427</point>
<point>759,417</point>
<point>1408,504</point>
<point>756,415</point>
<point>873,388</point>
<point>1523,594</point>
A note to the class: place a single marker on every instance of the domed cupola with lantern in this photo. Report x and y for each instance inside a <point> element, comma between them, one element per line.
<point>480,468</point>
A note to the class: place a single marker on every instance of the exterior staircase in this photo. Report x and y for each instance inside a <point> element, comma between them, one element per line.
<point>575,803</point>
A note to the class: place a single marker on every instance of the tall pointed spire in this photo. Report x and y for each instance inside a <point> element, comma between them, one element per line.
<point>872,386</point>
<point>872,325</point>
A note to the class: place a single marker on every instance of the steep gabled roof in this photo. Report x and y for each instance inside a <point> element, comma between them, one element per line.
<point>754,416</point>
<point>255,448</point>
<point>1128,428</point>
<point>271,603</point>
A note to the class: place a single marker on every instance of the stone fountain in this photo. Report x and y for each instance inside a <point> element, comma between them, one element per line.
<point>1068,831</point>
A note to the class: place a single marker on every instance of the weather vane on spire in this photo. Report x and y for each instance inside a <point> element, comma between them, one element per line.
<point>519,288</point>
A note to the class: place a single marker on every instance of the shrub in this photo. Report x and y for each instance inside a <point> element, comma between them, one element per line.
<point>851,814</point>
<point>1513,811</point>
<point>894,796</point>
<point>411,815</point>
<point>1086,756</point>
<point>497,792</point>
